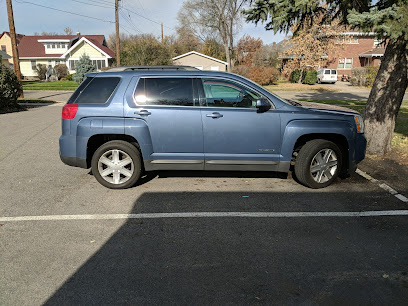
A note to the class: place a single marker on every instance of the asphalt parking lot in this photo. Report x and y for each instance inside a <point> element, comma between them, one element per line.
<point>188,237</point>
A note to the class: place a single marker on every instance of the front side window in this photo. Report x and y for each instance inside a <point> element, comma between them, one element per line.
<point>165,91</point>
<point>222,93</point>
<point>327,71</point>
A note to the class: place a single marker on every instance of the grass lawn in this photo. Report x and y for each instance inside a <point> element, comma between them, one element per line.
<point>400,139</point>
<point>57,85</point>
<point>285,86</point>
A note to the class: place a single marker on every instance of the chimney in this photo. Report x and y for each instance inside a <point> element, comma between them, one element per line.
<point>78,33</point>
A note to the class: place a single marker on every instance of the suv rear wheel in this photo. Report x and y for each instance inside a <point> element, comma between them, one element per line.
<point>117,164</point>
<point>318,163</point>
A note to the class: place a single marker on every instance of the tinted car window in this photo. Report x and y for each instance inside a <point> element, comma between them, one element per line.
<point>79,90</point>
<point>327,72</point>
<point>334,71</point>
<point>221,93</point>
<point>98,91</point>
<point>165,91</point>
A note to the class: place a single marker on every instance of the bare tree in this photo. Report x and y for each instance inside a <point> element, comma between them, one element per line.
<point>213,17</point>
<point>68,31</point>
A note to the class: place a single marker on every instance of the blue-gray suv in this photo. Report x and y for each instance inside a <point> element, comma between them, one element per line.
<point>132,119</point>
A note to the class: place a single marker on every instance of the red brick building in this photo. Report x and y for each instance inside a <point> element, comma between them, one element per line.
<point>356,50</point>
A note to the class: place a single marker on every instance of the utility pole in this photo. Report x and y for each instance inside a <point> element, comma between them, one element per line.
<point>117,32</point>
<point>16,62</point>
<point>162,31</point>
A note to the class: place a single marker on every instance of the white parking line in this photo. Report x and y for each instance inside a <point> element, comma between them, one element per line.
<point>383,186</point>
<point>375,213</point>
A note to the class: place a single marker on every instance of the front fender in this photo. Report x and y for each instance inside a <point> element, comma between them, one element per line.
<point>298,128</point>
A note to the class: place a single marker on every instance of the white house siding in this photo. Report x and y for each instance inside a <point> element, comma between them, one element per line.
<point>27,71</point>
<point>200,62</point>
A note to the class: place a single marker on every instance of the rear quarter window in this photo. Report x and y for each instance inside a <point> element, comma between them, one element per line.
<point>96,91</point>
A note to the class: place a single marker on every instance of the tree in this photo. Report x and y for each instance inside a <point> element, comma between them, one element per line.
<point>10,89</point>
<point>68,31</point>
<point>246,48</point>
<point>145,49</point>
<point>387,18</point>
<point>268,55</point>
<point>213,48</point>
<point>206,17</point>
<point>308,49</point>
<point>82,66</point>
<point>41,71</point>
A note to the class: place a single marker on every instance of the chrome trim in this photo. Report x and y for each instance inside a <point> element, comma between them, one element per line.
<point>176,161</point>
<point>240,162</point>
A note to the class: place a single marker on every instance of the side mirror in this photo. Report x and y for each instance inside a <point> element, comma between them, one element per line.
<point>263,105</point>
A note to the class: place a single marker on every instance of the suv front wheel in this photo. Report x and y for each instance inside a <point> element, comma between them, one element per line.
<point>318,163</point>
<point>117,164</point>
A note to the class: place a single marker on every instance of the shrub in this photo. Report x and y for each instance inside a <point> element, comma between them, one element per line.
<point>41,71</point>
<point>68,77</point>
<point>371,74</point>
<point>360,75</point>
<point>309,77</point>
<point>61,71</point>
<point>354,81</point>
<point>294,76</point>
<point>263,75</point>
<point>10,89</point>
<point>84,65</point>
<point>241,70</point>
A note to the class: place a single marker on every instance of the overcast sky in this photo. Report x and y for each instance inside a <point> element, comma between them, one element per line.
<point>31,18</point>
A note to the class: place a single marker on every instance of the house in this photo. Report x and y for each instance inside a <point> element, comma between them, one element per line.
<point>62,49</point>
<point>356,49</point>
<point>5,58</point>
<point>200,61</point>
<point>5,46</point>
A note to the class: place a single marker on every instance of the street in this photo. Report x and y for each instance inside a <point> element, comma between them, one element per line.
<point>185,241</point>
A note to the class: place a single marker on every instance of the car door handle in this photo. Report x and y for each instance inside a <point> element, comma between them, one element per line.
<point>215,115</point>
<point>143,112</point>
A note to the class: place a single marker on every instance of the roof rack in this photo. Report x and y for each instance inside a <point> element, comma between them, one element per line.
<point>163,67</point>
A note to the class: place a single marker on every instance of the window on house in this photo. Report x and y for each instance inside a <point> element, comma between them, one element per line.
<point>345,63</point>
<point>3,48</point>
<point>347,39</point>
<point>48,46</point>
<point>378,42</point>
<point>33,65</point>
<point>53,46</point>
<point>99,64</point>
<point>57,62</point>
<point>72,64</point>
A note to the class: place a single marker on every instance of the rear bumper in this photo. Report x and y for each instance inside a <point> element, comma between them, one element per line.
<point>74,161</point>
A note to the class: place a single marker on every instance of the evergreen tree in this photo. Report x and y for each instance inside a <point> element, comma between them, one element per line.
<point>84,65</point>
<point>387,18</point>
<point>10,89</point>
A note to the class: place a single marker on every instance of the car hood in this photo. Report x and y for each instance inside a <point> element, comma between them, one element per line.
<point>327,108</point>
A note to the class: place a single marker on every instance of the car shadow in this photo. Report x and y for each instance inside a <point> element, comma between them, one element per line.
<point>238,260</point>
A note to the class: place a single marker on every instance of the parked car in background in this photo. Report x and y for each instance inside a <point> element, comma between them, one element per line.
<point>132,119</point>
<point>326,75</point>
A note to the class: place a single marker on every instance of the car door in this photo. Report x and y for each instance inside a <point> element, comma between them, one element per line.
<point>236,135</point>
<point>167,106</point>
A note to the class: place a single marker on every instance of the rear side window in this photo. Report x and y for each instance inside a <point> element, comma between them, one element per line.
<point>78,91</point>
<point>97,90</point>
<point>165,91</point>
<point>334,71</point>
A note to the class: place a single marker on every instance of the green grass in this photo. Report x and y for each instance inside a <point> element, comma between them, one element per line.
<point>400,139</point>
<point>57,85</point>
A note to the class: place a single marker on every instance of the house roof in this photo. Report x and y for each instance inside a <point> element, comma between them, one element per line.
<point>200,54</point>
<point>4,55</point>
<point>377,52</point>
<point>18,36</point>
<point>30,46</point>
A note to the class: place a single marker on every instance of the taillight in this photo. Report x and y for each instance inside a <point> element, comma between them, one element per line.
<point>69,111</point>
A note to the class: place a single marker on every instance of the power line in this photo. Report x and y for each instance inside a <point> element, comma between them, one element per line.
<point>93,4</point>
<point>146,18</point>
<point>59,10</point>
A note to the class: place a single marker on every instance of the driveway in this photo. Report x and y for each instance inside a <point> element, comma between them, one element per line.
<point>188,237</point>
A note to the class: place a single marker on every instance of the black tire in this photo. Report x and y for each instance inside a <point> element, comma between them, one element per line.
<point>312,151</point>
<point>121,176</point>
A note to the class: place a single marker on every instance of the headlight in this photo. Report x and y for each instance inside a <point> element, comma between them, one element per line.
<point>359,123</point>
